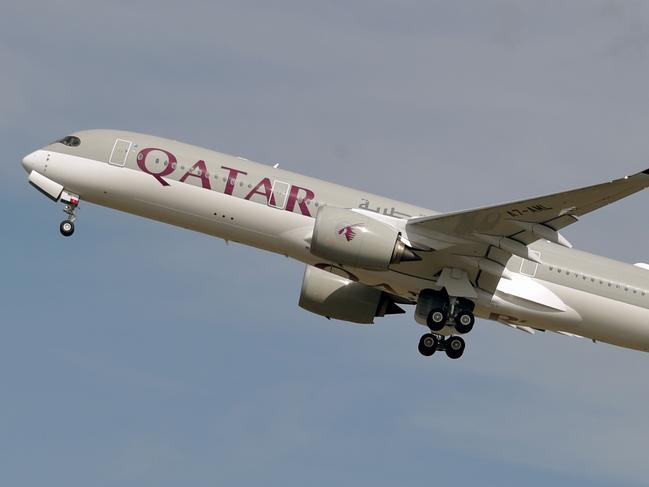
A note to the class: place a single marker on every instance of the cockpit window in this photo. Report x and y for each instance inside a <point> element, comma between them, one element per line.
<point>70,141</point>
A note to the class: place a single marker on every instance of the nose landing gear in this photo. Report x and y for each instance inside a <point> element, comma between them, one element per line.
<point>72,201</point>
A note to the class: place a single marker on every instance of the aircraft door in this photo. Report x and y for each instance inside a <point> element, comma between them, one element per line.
<point>120,152</point>
<point>280,194</point>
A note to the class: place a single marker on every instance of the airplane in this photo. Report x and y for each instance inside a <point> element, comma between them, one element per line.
<point>368,256</point>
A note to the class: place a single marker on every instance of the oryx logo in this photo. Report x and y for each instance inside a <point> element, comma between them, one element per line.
<point>348,231</point>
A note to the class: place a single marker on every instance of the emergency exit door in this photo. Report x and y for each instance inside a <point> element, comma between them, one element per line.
<point>280,194</point>
<point>120,152</point>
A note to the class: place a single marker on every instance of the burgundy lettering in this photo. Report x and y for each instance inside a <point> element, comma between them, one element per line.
<point>302,201</point>
<point>267,192</point>
<point>232,179</point>
<point>202,174</point>
<point>166,171</point>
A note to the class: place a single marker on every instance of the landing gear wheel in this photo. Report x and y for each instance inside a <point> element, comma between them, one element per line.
<point>464,322</point>
<point>436,319</point>
<point>428,344</point>
<point>66,228</point>
<point>454,347</point>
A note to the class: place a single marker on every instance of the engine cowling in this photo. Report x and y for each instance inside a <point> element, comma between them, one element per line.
<point>332,296</point>
<point>350,238</point>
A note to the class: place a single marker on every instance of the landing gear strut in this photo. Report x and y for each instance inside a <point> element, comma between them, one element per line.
<point>67,225</point>
<point>453,346</point>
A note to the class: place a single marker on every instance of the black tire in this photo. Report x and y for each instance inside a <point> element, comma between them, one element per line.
<point>66,228</point>
<point>436,319</point>
<point>428,344</point>
<point>464,322</point>
<point>454,347</point>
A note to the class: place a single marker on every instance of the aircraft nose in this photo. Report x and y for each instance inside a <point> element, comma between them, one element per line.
<point>29,162</point>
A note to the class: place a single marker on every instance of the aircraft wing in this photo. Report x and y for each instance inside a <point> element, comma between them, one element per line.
<point>481,241</point>
<point>526,221</point>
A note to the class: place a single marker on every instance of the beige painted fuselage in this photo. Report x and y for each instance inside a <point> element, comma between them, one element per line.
<point>272,209</point>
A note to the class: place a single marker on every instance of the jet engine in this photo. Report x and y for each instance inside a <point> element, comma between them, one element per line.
<point>332,296</point>
<point>349,238</point>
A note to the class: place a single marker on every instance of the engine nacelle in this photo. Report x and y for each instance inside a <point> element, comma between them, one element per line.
<point>332,296</point>
<point>349,238</point>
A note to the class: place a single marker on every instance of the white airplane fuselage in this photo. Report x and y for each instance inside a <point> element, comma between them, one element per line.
<point>262,206</point>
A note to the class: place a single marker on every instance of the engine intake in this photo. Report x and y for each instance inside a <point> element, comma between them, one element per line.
<point>349,238</point>
<point>332,296</point>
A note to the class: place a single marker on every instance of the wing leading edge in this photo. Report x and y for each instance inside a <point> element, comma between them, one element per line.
<point>528,220</point>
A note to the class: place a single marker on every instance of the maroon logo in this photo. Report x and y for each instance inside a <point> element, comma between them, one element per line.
<point>348,231</point>
<point>160,164</point>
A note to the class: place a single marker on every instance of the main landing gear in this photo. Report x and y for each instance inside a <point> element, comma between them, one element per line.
<point>453,312</point>
<point>67,226</point>
<point>430,343</point>
<point>446,317</point>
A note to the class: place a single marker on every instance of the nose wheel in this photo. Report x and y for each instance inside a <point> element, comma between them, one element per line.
<point>453,346</point>
<point>67,226</point>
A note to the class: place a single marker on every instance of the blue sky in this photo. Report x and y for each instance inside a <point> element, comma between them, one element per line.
<point>139,354</point>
